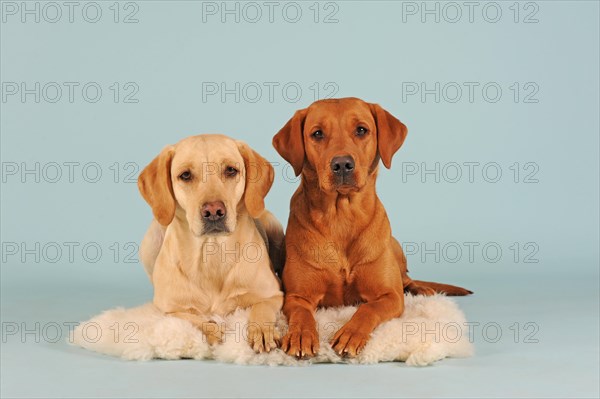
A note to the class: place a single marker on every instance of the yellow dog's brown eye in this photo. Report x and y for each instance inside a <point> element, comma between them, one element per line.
<point>361,131</point>
<point>230,171</point>
<point>186,176</point>
<point>317,134</point>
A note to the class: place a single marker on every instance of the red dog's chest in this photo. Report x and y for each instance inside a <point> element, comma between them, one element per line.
<point>341,290</point>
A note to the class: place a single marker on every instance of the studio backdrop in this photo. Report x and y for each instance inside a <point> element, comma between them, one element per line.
<point>495,187</point>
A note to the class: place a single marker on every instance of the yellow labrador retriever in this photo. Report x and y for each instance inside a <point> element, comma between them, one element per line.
<point>206,250</point>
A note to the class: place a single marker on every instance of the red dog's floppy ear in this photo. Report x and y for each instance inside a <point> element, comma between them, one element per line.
<point>259,179</point>
<point>155,186</point>
<point>390,133</point>
<point>289,141</point>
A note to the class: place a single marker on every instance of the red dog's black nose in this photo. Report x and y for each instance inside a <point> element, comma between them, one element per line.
<point>342,165</point>
<point>214,211</point>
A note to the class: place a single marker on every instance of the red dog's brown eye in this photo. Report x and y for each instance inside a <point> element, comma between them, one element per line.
<point>317,134</point>
<point>361,131</point>
<point>230,171</point>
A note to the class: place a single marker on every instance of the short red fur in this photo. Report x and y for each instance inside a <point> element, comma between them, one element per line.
<point>339,244</point>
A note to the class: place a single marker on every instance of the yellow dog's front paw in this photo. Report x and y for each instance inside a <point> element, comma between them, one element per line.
<point>212,332</point>
<point>262,337</point>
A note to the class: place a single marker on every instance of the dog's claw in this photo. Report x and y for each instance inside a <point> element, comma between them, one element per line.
<point>348,342</point>
<point>301,344</point>
<point>261,339</point>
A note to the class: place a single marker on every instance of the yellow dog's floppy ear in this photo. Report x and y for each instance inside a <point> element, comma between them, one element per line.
<point>259,179</point>
<point>390,133</point>
<point>289,141</point>
<point>155,186</point>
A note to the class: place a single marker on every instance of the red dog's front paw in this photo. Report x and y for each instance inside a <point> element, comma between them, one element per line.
<point>301,343</point>
<point>349,342</point>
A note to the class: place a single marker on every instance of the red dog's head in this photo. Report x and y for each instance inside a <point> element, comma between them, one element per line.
<point>339,142</point>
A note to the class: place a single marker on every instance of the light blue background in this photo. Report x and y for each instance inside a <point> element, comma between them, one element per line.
<point>368,53</point>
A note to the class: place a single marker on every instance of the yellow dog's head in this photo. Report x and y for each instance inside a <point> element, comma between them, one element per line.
<point>206,181</point>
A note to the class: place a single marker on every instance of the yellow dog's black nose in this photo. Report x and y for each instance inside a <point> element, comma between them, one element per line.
<point>214,211</point>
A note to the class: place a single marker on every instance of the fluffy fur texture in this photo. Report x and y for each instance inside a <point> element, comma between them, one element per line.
<point>430,329</point>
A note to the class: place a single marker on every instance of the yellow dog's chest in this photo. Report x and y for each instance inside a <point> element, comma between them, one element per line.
<point>215,285</point>
<point>203,284</point>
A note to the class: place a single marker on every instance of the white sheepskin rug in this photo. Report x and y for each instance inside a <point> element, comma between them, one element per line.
<point>430,329</point>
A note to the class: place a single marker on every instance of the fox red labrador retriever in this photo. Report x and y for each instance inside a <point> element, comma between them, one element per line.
<point>339,244</point>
